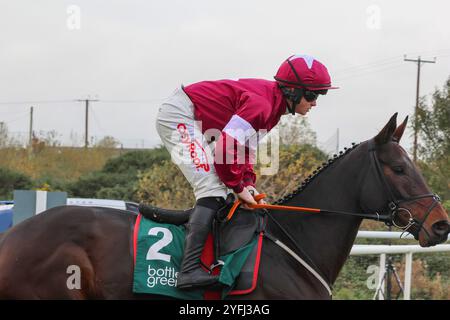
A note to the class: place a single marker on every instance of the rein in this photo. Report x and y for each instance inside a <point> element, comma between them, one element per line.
<point>258,197</point>
<point>388,218</point>
<point>394,204</point>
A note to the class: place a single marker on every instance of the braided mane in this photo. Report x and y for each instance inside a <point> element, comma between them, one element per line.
<point>315,173</point>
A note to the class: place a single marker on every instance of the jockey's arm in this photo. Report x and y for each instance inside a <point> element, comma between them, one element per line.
<point>237,176</point>
<point>226,163</point>
<point>234,167</point>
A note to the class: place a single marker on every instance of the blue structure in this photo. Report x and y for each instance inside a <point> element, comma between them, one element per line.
<point>6,215</point>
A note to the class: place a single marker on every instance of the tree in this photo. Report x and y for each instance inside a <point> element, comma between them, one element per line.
<point>3,135</point>
<point>433,124</point>
<point>107,142</point>
<point>136,160</point>
<point>296,130</point>
<point>164,185</point>
<point>296,162</point>
<point>5,139</point>
<point>119,176</point>
<point>11,180</point>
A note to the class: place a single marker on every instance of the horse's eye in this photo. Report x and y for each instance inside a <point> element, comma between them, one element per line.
<point>398,170</point>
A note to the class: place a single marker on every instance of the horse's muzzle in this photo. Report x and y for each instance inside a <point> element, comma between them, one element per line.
<point>441,230</point>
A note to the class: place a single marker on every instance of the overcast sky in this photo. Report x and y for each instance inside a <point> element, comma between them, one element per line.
<point>130,54</point>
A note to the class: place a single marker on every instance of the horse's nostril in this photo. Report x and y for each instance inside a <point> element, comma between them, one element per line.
<point>441,228</point>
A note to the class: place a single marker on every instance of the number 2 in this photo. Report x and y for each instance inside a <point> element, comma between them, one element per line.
<point>153,252</point>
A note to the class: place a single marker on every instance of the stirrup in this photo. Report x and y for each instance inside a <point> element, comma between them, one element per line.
<point>216,264</point>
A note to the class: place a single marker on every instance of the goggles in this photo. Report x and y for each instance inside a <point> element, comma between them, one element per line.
<point>311,96</point>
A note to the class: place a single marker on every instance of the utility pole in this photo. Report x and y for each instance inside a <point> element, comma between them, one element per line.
<point>30,138</point>
<point>419,62</point>
<point>86,125</point>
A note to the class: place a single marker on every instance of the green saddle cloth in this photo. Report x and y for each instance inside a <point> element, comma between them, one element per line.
<point>159,252</point>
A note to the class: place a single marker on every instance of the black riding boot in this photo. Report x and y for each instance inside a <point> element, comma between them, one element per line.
<point>191,274</point>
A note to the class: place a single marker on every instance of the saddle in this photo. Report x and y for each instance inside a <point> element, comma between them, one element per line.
<point>176,217</point>
<point>228,235</point>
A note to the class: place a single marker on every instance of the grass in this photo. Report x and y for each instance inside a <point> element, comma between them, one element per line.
<point>62,164</point>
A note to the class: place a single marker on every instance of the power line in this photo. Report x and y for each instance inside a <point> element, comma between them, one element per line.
<point>97,121</point>
<point>14,113</point>
<point>36,101</point>
<point>130,101</point>
<point>375,63</point>
<point>77,100</point>
<point>363,73</point>
<point>16,119</point>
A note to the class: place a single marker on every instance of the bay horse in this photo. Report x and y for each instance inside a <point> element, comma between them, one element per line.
<point>374,179</point>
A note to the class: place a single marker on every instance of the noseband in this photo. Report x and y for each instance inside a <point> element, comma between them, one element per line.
<point>394,204</point>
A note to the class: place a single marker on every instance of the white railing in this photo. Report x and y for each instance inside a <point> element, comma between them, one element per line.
<point>382,250</point>
<point>360,249</point>
<point>386,235</point>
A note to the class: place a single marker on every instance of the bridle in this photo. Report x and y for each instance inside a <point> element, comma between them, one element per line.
<point>394,205</point>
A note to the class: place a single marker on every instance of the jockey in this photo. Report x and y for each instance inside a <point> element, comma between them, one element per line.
<point>204,126</point>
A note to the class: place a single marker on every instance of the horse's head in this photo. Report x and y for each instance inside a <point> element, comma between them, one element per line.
<point>396,189</point>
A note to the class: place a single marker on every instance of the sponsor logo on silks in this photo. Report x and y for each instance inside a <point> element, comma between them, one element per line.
<point>162,276</point>
<point>193,146</point>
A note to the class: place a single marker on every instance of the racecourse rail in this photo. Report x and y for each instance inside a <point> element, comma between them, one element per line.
<point>382,250</point>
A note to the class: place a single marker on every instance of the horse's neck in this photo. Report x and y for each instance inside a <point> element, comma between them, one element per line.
<point>327,238</point>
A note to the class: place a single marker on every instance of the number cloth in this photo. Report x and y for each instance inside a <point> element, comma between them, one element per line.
<point>159,252</point>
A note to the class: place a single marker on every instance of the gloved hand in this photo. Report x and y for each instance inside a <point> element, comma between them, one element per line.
<point>246,198</point>
<point>255,192</point>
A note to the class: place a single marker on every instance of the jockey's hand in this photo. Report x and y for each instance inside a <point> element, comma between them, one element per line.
<point>255,192</point>
<point>246,197</point>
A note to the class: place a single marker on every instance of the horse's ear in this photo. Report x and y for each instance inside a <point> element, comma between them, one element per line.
<point>385,135</point>
<point>399,131</point>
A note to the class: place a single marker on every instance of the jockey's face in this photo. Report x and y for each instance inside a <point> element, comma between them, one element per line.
<point>304,106</point>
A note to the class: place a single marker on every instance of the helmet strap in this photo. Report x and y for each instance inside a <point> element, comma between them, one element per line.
<point>293,95</point>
